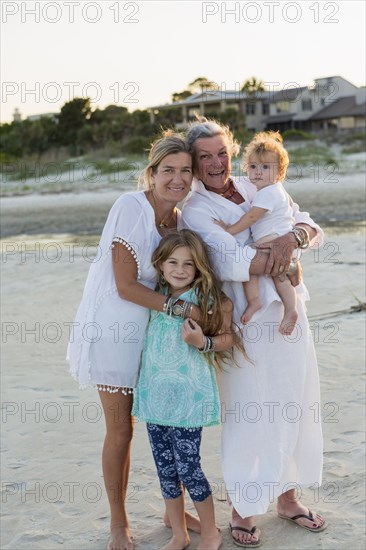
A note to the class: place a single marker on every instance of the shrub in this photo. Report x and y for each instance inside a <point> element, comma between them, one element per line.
<point>297,135</point>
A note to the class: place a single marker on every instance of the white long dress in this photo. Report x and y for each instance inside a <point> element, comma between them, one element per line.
<point>271,437</point>
<point>107,337</point>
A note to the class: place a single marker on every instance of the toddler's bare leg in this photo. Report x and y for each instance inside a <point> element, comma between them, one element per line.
<point>288,297</point>
<point>251,291</point>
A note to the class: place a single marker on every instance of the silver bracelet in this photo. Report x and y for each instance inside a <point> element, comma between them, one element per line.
<point>302,237</point>
<point>167,303</point>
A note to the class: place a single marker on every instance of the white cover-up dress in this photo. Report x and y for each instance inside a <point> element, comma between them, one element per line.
<point>271,434</point>
<point>108,332</point>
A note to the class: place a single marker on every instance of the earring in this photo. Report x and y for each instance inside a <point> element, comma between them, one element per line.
<point>162,281</point>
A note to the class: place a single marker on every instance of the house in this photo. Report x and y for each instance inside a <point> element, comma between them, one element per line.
<point>53,116</point>
<point>330,103</point>
<point>213,102</point>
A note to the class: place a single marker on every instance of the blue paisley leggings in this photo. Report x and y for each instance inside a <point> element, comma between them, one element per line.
<point>177,458</point>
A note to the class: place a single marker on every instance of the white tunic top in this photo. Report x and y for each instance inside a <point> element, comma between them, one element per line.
<point>278,219</point>
<point>106,342</point>
<point>271,437</point>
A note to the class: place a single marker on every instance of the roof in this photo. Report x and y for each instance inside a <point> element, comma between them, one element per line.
<point>289,94</point>
<point>213,96</point>
<point>344,106</point>
<point>285,117</point>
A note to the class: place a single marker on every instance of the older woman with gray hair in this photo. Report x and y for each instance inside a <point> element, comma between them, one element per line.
<point>271,439</point>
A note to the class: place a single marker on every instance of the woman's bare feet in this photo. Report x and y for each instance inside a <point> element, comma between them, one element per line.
<point>177,542</point>
<point>192,522</point>
<point>288,508</point>
<point>288,322</point>
<point>210,542</point>
<point>253,306</point>
<point>246,523</point>
<point>120,539</point>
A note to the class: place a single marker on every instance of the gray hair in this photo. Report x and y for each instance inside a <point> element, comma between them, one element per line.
<point>205,128</point>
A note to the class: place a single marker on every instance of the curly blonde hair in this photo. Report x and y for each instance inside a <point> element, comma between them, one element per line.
<point>268,142</point>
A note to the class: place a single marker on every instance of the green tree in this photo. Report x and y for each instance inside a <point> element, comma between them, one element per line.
<point>43,135</point>
<point>202,84</point>
<point>252,86</point>
<point>179,96</point>
<point>72,118</point>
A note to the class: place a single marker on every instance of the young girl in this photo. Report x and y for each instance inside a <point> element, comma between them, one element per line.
<point>266,161</point>
<point>177,391</point>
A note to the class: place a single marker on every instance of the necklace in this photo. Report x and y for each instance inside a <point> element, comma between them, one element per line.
<point>229,192</point>
<point>162,223</point>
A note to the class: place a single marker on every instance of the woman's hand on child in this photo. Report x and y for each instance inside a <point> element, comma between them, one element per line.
<point>192,333</point>
<point>220,223</point>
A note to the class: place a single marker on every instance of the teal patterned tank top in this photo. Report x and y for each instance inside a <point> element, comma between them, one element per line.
<point>177,386</point>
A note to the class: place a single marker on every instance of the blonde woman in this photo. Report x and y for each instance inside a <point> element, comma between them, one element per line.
<point>111,320</point>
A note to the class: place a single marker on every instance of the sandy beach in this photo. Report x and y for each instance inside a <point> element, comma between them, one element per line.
<point>52,488</point>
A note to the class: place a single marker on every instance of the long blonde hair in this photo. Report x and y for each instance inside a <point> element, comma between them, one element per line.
<point>210,298</point>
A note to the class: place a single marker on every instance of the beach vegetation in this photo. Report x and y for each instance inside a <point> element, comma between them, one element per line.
<point>297,135</point>
<point>312,153</point>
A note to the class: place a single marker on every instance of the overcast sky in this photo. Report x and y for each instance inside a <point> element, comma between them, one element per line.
<point>136,54</point>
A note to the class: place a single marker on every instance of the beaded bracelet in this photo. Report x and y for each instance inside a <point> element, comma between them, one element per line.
<point>209,345</point>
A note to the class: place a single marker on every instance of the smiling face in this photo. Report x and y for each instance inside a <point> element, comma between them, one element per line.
<point>213,161</point>
<point>263,170</point>
<point>179,270</point>
<point>172,178</point>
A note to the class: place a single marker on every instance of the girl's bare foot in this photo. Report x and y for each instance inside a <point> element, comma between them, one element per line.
<point>253,306</point>
<point>192,522</point>
<point>288,322</point>
<point>120,539</point>
<point>177,542</point>
<point>210,542</point>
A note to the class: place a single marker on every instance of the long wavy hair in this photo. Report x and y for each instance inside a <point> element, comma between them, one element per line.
<point>210,298</point>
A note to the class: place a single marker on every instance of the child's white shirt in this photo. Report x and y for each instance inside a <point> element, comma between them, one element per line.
<point>278,219</point>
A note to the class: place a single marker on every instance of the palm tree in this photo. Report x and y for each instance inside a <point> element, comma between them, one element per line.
<point>252,86</point>
<point>202,84</point>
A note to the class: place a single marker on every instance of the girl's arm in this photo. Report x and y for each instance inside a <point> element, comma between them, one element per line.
<point>244,222</point>
<point>125,274</point>
<point>192,333</point>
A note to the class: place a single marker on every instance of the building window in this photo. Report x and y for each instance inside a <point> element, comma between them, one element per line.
<point>250,108</point>
<point>265,109</point>
<point>282,107</point>
<point>306,105</point>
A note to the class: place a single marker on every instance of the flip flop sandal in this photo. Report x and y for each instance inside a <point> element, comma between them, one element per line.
<point>244,544</point>
<point>310,517</point>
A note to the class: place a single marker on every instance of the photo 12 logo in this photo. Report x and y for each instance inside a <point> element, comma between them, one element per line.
<point>54,92</point>
<point>70,12</point>
<point>269,12</point>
